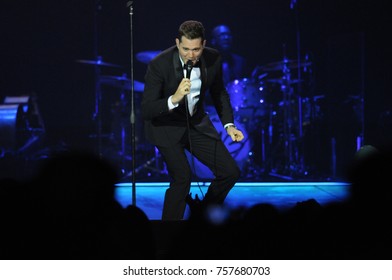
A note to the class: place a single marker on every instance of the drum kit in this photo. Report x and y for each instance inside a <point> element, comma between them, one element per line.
<point>270,120</point>
<point>112,110</point>
<point>270,110</point>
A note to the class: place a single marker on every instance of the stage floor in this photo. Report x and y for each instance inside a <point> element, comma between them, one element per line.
<point>149,195</point>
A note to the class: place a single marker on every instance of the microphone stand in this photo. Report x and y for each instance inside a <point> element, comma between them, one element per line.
<point>97,116</point>
<point>132,116</point>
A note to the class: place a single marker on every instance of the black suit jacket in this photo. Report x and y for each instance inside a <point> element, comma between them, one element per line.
<point>164,127</point>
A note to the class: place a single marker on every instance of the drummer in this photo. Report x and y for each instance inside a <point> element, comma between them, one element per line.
<point>234,65</point>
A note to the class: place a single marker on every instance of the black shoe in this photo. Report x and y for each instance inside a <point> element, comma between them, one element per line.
<point>195,204</point>
<point>192,202</point>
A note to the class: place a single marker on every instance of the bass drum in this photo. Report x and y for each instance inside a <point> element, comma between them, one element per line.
<point>247,98</point>
<point>239,150</point>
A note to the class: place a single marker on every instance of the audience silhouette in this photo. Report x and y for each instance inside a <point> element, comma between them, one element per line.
<point>357,228</point>
<point>71,213</point>
<point>13,199</point>
<point>68,211</point>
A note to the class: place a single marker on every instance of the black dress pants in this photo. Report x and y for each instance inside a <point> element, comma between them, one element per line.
<point>209,151</point>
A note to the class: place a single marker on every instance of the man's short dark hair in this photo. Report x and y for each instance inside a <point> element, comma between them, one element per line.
<point>191,29</point>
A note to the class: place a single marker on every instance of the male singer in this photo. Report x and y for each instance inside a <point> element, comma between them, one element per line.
<point>176,83</point>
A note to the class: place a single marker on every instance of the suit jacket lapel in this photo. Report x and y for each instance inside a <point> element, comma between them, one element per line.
<point>178,69</point>
<point>203,70</point>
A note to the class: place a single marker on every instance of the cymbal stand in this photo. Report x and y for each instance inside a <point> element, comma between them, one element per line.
<point>301,166</point>
<point>159,168</point>
<point>289,123</point>
<point>267,132</point>
<point>123,107</point>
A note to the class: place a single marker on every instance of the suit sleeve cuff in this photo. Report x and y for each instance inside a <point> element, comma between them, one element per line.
<point>170,103</point>
<point>228,125</point>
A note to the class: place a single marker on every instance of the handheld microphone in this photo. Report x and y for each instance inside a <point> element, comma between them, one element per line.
<point>188,66</point>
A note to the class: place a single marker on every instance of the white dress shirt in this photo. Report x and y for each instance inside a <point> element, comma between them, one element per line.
<point>193,96</point>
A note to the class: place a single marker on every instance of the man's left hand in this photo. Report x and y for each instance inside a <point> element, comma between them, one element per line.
<point>235,134</point>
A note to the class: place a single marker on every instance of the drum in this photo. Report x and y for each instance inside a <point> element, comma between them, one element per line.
<point>239,150</point>
<point>247,98</point>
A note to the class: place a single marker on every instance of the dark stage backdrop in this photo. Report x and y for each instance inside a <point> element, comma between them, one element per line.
<point>41,44</point>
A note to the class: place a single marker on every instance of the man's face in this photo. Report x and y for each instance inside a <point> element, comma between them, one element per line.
<point>190,49</point>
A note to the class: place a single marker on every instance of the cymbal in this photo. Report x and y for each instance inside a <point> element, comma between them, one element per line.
<point>147,56</point>
<point>122,82</point>
<point>283,81</point>
<point>98,62</point>
<point>280,65</point>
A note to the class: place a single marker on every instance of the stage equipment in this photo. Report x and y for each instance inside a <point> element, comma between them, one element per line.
<point>98,62</point>
<point>21,124</point>
<point>122,82</point>
<point>247,99</point>
<point>133,115</point>
<point>282,131</point>
<point>146,56</point>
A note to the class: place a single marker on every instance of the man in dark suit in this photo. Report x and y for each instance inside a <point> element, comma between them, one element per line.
<point>175,119</point>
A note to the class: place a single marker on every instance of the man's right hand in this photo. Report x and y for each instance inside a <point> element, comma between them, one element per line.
<point>182,90</point>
